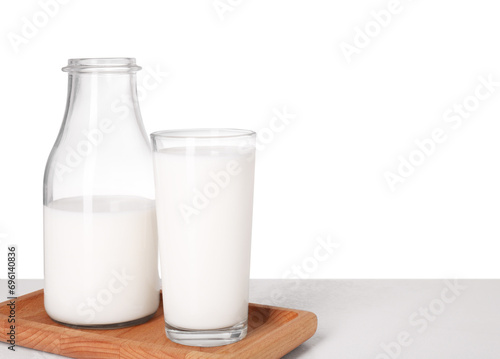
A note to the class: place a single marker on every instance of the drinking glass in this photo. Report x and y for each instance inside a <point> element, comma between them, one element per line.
<point>204,181</point>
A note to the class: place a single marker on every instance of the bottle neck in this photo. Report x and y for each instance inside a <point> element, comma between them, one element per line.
<point>102,148</point>
<point>97,96</point>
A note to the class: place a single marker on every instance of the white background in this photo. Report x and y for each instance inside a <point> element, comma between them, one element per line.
<point>323,175</point>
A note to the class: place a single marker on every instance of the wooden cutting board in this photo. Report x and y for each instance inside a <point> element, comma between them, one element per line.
<point>272,332</point>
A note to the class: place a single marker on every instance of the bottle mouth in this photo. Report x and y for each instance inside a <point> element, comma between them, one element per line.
<point>103,65</point>
<point>203,133</point>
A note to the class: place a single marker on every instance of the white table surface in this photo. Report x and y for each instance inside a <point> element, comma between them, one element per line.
<point>356,317</point>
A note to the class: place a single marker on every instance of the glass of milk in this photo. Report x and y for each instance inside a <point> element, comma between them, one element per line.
<point>204,181</point>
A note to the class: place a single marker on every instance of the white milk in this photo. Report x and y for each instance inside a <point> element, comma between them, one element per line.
<point>204,209</point>
<point>100,259</point>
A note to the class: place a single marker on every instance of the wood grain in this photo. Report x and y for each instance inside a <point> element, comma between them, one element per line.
<point>272,332</point>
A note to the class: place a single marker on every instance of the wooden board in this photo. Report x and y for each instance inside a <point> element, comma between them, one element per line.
<point>272,333</point>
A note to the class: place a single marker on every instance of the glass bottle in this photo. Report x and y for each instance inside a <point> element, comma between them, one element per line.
<point>100,236</point>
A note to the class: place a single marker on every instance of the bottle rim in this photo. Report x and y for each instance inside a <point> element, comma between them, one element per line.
<point>102,65</point>
<point>203,133</point>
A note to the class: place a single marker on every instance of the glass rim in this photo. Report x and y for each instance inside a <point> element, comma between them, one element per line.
<point>203,133</point>
<point>102,64</point>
